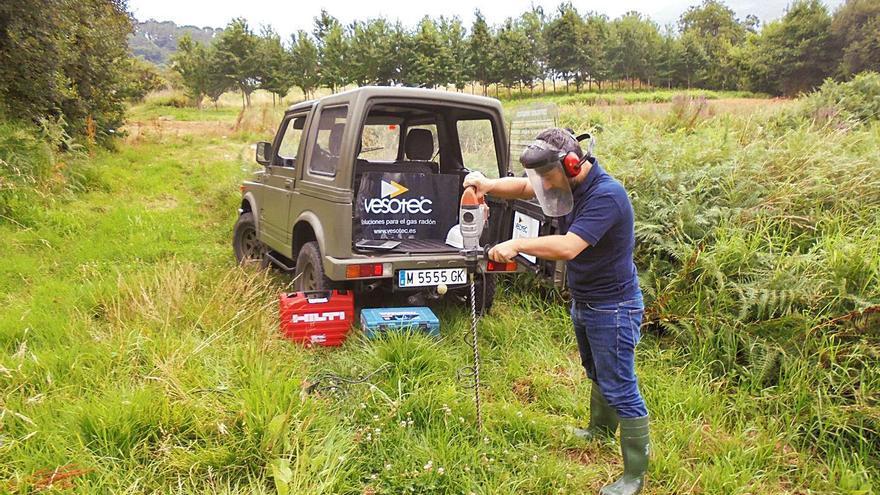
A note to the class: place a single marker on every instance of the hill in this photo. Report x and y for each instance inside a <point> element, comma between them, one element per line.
<point>156,40</point>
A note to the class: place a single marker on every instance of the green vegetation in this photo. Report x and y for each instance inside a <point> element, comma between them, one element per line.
<point>137,357</point>
<point>66,59</point>
<point>710,48</point>
<point>845,104</point>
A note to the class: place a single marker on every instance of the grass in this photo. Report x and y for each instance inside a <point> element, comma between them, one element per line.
<point>137,358</point>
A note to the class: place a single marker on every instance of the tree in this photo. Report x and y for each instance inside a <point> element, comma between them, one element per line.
<point>274,69</point>
<point>634,47</point>
<point>191,61</point>
<point>515,60</point>
<point>431,57</point>
<point>373,47</point>
<point>480,51</point>
<point>141,78</point>
<point>856,30</point>
<point>669,59</point>
<point>714,27</point>
<point>332,51</point>
<point>237,54</point>
<point>694,60</point>
<point>793,54</point>
<point>452,32</point>
<point>563,37</point>
<point>594,49</point>
<point>533,23</point>
<point>304,63</point>
<point>399,63</point>
<point>364,50</point>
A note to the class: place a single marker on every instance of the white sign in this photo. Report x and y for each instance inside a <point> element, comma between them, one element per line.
<point>525,226</point>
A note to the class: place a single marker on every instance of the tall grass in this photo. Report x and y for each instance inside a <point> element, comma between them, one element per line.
<point>39,163</point>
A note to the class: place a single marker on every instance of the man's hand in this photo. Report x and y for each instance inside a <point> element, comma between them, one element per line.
<point>504,252</point>
<point>482,185</point>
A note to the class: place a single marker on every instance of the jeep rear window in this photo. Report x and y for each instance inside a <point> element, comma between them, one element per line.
<point>477,143</point>
<point>379,142</point>
<point>328,143</point>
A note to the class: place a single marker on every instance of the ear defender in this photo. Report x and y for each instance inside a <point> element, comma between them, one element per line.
<point>572,164</point>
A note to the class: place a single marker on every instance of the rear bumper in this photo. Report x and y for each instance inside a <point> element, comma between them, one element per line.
<point>335,268</point>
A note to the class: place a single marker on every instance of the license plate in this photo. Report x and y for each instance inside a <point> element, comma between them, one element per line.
<point>423,278</point>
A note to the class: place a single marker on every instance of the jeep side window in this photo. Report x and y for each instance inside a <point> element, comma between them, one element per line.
<point>328,142</point>
<point>289,146</point>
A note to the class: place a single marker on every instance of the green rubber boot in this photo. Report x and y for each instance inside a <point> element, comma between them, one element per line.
<point>635,447</point>
<point>603,419</point>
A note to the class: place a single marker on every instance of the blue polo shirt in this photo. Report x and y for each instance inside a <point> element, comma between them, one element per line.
<point>603,216</point>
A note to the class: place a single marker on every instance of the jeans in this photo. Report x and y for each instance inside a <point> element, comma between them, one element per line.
<point>607,335</point>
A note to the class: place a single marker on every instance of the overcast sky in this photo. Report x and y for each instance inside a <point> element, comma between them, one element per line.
<point>287,17</point>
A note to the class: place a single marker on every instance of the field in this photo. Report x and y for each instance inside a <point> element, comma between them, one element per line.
<point>136,357</point>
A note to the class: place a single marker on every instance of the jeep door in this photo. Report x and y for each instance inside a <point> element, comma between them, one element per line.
<point>279,182</point>
<point>322,197</point>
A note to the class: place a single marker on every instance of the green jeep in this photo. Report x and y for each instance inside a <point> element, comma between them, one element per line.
<point>343,164</point>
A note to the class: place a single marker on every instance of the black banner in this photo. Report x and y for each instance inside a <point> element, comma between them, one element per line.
<point>401,206</point>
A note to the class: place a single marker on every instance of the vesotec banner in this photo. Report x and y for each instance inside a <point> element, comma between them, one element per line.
<point>406,206</point>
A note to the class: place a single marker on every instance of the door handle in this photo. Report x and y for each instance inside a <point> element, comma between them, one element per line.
<point>288,184</point>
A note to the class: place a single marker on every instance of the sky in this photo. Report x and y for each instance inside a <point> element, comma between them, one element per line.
<point>288,17</point>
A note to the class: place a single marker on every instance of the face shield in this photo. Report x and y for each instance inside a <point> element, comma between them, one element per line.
<point>543,165</point>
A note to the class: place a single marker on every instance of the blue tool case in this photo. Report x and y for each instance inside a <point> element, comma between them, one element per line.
<point>376,321</point>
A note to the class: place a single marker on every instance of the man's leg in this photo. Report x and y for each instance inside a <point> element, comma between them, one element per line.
<point>603,419</point>
<point>613,332</point>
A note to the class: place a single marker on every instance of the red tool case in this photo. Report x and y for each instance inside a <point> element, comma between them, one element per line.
<point>317,317</point>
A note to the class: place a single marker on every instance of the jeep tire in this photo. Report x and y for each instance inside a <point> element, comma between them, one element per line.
<point>246,244</point>
<point>309,272</point>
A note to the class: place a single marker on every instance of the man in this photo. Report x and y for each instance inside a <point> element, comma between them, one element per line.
<point>596,240</point>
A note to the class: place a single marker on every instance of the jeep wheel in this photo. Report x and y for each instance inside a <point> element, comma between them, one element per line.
<point>245,242</point>
<point>309,274</point>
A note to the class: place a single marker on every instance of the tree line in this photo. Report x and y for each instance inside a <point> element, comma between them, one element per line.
<point>69,61</point>
<point>709,47</point>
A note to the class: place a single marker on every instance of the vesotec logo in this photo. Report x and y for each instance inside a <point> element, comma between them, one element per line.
<point>521,227</point>
<point>389,203</point>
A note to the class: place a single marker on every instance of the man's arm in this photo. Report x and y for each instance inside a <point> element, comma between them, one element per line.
<point>505,188</point>
<point>548,247</point>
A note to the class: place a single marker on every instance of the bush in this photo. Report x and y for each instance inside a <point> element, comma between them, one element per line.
<point>844,103</point>
<point>65,58</point>
<point>168,98</point>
